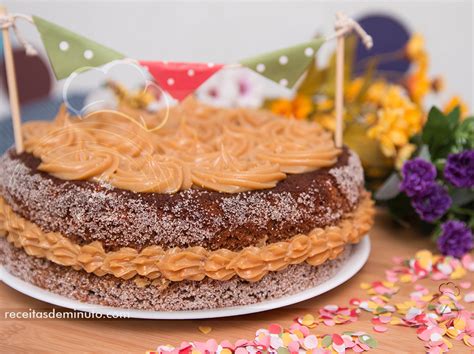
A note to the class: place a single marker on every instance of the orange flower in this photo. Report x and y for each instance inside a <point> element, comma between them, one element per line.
<point>300,107</point>
<point>282,107</point>
<point>353,88</point>
<point>453,103</point>
<point>418,85</point>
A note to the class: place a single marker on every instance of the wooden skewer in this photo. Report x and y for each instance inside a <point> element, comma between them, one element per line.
<point>12,87</point>
<point>339,90</point>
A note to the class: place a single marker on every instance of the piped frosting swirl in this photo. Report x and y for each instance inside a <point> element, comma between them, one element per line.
<point>226,150</point>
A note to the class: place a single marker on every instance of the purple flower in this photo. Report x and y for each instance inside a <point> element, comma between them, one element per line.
<point>459,169</point>
<point>433,204</point>
<point>456,239</point>
<point>418,177</point>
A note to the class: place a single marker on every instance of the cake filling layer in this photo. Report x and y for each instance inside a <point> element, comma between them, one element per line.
<point>195,263</point>
<point>226,150</point>
<point>164,295</point>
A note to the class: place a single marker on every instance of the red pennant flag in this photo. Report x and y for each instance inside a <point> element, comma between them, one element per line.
<point>180,79</point>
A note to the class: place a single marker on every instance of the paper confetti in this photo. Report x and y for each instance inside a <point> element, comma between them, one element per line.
<point>437,318</point>
<point>275,339</point>
<point>205,329</point>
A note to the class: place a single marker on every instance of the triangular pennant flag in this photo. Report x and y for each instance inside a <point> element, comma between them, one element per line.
<point>180,79</point>
<point>285,66</point>
<point>69,51</point>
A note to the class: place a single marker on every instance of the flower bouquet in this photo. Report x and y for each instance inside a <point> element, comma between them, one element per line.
<point>384,111</point>
<point>435,187</point>
<point>419,163</point>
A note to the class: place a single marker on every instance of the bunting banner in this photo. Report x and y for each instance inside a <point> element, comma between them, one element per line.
<point>285,66</point>
<point>68,51</point>
<point>180,79</point>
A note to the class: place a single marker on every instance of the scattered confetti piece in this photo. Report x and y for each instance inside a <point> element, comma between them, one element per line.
<point>380,329</point>
<point>465,284</point>
<point>469,297</point>
<point>205,329</point>
<point>278,340</point>
<point>438,318</point>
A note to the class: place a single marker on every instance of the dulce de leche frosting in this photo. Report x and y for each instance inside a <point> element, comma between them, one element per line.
<point>194,263</point>
<point>226,150</point>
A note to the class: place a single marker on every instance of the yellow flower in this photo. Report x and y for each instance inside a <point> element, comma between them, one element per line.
<point>326,120</point>
<point>394,97</point>
<point>404,154</point>
<point>394,125</point>
<point>415,47</point>
<point>453,103</point>
<point>325,105</point>
<point>370,118</point>
<point>300,107</point>
<point>387,146</point>
<point>376,92</point>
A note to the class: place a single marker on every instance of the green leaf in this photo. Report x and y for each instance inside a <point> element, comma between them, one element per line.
<point>464,135</point>
<point>462,196</point>
<point>436,233</point>
<point>471,223</point>
<point>439,131</point>
<point>368,80</point>
<point>313,80</point>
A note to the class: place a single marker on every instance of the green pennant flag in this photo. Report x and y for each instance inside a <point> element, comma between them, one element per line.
<point>69,51</point>
<point>285,66</point>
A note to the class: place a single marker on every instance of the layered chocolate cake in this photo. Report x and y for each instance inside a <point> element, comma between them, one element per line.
<point>190,208</point>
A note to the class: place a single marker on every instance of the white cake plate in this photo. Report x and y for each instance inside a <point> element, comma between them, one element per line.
<point>354,263</point>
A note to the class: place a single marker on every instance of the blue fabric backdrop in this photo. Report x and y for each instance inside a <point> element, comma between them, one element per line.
<point>40,110</point>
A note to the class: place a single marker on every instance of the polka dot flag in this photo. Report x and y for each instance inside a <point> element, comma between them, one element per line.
<point>285,66</point>
<point>69,51</point>
<point>180,79</point>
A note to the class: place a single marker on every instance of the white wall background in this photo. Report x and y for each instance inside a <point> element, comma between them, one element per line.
<point>224,31</point>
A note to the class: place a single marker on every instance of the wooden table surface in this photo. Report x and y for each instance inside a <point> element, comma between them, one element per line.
<point>137,336</point>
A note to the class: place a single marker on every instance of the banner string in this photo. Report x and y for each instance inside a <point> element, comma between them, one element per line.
<point>8,21</point>
<point>345,24</point>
